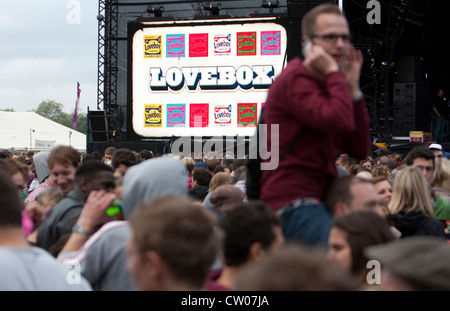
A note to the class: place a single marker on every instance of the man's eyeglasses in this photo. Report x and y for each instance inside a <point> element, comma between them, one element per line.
<point>332,38</point>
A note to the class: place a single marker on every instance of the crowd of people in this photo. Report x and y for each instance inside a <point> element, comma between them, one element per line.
<point>330,216</point>
<point>215,239</point>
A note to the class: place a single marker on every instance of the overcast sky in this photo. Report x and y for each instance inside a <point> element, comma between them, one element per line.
<point>46,47</point>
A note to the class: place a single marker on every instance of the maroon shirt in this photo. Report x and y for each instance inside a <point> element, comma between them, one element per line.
<point>330,122</point>
<point>211,285</point>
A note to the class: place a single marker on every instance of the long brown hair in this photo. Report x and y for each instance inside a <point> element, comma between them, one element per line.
<point>363,229</point>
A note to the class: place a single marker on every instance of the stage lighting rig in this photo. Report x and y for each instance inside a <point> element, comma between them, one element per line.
<point>270,5</point>
<point>155,10</point>
<point>213,8</point>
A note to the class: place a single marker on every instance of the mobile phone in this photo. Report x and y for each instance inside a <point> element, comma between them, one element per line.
<point>304,44</point>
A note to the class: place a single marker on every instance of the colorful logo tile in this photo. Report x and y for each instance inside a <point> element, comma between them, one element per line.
<point>198,45</point>
<point>175,46</point>
<point>153,115</point>
<point>222,45</point>
<point>246,43</point>
<point>270,43</point>
<point>247,115</point>
<point>198,116</point>
<point>153,46</point>
<point>176,115</point>
<point>222,115</point>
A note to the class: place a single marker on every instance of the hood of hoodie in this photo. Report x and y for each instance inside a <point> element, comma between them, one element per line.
<point>407,224</point>
<point>153,177</point>
<point>41,165</point>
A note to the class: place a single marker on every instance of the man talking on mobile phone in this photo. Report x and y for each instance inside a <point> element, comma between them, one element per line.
<point>317,103</point>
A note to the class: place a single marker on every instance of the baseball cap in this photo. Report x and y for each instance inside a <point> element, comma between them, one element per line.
<point>228,159</point>
<point>200,164</point>
<point>436,146</point>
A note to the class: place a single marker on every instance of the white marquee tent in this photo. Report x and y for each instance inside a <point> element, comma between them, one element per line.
<point>30,131</point>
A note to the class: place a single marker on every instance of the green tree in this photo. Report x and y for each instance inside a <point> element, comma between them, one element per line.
<point>8,109</point>
<point>53,110</point>
<point>82,123</point>
<point>50,109</point>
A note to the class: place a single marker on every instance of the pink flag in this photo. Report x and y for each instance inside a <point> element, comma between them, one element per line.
<point>77,103</point>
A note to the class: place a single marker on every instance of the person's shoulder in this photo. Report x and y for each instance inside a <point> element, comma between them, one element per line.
<point>295,60</point>
<point>72,200</point>
<point>431,226</point>
<point>119,228</point>
<point>112,235</point>
<point>295,64</point>
<point>8,253</point>
<point>9,256</point>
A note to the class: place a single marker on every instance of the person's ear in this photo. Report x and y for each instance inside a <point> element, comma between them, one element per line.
<point>154,264</point>
<point>339,209</point>
<point>256,252</point>
<point>84,184</point>
<point>305,38</point>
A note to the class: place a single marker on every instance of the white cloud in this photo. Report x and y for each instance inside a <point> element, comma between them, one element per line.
<point>43,56</point>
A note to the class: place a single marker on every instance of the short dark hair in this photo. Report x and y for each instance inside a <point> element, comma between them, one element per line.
<point>212,164</point>
<point>90,168</point>
<point>245,224</point>
<point>110,150</point>
<point>340,191</point>
<point>237,163</point>
<point>308,22</point>
<point>92,156</point>
<point>123,156</point>
<point>202,176</point>
<point>146,154</point>
<point>11,204</point>
<point>420,151</point>
<point>345,159</point>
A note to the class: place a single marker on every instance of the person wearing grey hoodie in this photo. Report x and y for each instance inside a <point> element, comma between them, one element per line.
<point>102,256</point>
<point>42,171</point>
<point>32,213</point>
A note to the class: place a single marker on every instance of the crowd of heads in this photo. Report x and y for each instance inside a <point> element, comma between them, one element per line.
<point>177,227</point>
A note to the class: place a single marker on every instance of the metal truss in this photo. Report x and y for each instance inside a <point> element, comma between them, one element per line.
<point>107,62</point>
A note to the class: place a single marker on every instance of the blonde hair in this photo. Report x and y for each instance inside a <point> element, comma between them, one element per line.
<point>381,170</point>
<point>187,160</point>
<point>219,179</point>
<point>411,193</point>
<point>441,172</point>
<point>50,196</point>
